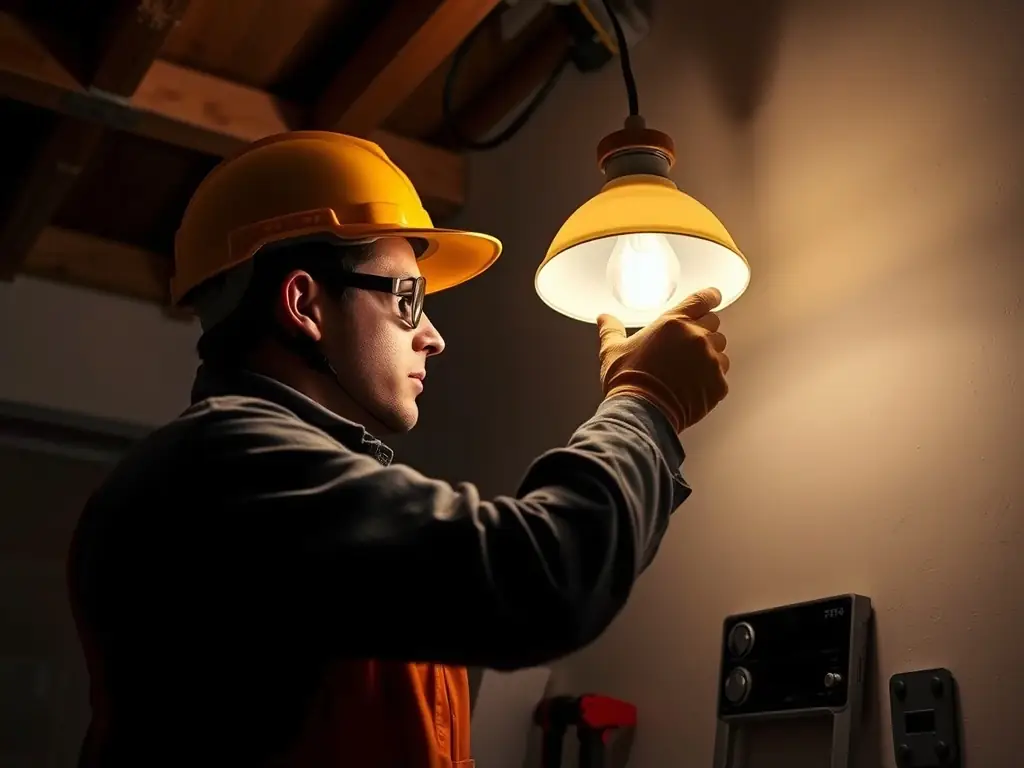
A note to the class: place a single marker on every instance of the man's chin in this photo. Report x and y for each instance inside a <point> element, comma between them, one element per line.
<point>400,421</point>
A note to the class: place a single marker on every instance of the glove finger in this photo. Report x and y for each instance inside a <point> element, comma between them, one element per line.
<point>710,322</point>
<point>717,341</point>
<point>697,305</point>
<point>610,329</point>
<point>724,362</point>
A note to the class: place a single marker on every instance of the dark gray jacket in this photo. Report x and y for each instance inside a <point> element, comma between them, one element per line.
<point>258,536</point>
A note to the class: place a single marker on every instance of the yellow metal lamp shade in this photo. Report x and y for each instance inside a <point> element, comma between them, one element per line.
<point>640,245</point>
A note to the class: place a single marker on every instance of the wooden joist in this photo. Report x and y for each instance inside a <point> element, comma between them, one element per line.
<point>198,111</point>
<point>396,57</point>
<point>135,35</point>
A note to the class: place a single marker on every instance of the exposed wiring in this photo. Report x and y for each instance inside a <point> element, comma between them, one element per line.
<point>468,142</point>
<point>448,110</point>
<point>627,69</point>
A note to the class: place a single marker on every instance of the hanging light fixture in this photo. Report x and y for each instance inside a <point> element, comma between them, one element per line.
<point>640,245</point>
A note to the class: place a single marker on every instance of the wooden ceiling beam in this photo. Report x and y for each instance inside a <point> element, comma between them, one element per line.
<point>136,33</point>
<point>197,111</point>
<point>49,179</point>
<point>394,60</point>
<point>76,258</point>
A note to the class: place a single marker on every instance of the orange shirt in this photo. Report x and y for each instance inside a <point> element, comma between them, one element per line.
<point>385,714</point>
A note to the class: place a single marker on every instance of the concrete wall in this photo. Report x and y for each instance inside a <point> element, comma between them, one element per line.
<point>103,356</point>
<point>867,156</point>
<point>43,683</point>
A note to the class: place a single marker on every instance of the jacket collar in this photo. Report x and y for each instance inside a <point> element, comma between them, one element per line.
<point>213,382</point>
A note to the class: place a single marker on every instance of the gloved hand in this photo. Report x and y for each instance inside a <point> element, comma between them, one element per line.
<point>677,362</point>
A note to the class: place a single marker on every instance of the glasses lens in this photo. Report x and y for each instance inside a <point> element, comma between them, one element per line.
<point>419,291</point>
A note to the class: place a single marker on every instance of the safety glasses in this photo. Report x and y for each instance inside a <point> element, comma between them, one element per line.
<point>409,290</point>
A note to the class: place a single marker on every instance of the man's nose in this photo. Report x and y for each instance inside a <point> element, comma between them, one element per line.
<point>429,340</point>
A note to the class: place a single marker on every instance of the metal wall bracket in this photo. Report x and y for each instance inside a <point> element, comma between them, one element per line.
<point>925,719</point>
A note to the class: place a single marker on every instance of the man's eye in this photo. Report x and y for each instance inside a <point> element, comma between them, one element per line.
<point>404,306</point>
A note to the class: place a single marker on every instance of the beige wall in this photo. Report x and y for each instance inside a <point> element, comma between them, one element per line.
<point>869,160</point>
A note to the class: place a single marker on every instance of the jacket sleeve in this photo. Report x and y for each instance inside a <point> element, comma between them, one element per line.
<point>383,562</point>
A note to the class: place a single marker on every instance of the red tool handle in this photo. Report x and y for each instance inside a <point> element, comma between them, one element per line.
<point>594,716</point>
<point>603,712</point>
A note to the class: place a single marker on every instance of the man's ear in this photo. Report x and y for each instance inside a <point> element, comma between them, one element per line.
<point>299,307</point>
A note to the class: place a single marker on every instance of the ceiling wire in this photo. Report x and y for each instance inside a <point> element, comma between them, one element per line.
<point>448,111</point>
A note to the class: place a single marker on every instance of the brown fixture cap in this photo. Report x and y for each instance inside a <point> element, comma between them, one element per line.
<point>635,135</point>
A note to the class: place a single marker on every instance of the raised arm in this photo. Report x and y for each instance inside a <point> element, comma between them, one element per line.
<point>388,563</point>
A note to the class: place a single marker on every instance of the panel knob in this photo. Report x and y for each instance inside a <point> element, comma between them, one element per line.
<point>741,639</point>
<point>737,686</point>
<point>832,679</point>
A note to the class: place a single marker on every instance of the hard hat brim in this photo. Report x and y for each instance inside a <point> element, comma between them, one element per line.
<point>306,184</point>
<point>452,256</point>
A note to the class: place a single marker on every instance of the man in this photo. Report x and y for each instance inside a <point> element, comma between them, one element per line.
<point>258,584</point>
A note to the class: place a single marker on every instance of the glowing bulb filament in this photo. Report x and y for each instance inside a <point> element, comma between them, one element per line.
<point>643,270</point>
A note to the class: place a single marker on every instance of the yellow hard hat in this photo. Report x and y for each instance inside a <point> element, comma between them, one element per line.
<point>306,183</point>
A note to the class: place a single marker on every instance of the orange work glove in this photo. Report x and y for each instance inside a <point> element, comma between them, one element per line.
<point>676,363</point>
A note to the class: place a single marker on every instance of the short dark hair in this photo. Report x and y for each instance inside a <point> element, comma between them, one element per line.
<point>230,342</point>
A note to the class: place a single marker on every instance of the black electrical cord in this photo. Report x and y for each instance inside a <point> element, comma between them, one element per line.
<point>447,94</point>
<point>448,111</point>
<point>627,69</point>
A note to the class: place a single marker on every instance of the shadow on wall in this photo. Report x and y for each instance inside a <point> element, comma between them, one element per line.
<point>43,682</point>
<point>737,43</point>
<point>887,195</point>
<point>871,439</point>
<point>618,749</point>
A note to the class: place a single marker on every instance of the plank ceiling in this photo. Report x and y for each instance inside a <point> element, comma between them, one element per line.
<point>114,110</point>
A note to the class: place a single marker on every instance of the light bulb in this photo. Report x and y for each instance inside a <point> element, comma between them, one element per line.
<point>643,270</point>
